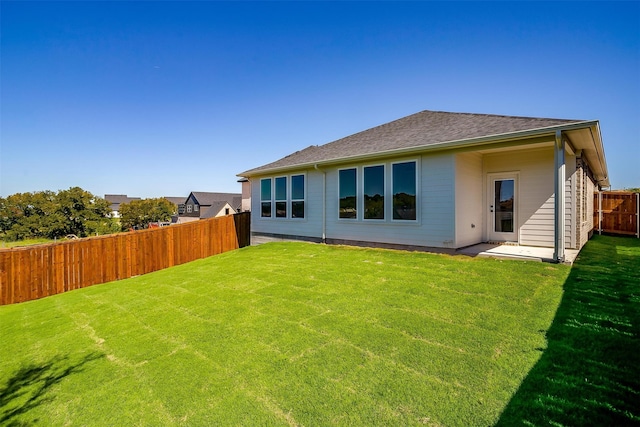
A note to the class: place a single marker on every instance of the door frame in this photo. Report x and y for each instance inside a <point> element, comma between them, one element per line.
<point>491,234</point>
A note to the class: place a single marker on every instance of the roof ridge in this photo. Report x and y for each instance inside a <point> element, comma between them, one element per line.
<point>506,116</point>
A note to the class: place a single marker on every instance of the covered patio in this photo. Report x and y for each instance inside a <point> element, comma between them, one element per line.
<point>525,253</point>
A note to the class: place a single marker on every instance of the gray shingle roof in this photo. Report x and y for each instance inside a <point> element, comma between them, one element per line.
<point>208,199</point>
<point>423,129</point>
<point>119,198</point>
<point>176,200</point>
<point>212,211</point>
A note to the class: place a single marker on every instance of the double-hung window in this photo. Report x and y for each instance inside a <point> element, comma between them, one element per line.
<point>281,197</point>
<point>373,192</point>
<point>265,198</point>
<point>297,196</point>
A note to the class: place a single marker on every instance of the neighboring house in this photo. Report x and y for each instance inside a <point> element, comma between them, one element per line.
<point>116,200</point>
<point>201,205</point>
<point>178,201</point>
<point>441,180</point>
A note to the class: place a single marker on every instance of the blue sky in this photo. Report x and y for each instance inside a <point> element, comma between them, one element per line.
<point>162,98</point>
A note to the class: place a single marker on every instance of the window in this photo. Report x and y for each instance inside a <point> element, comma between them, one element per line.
<point>404,190</point>
<point>287,196</point>
<point>189,208</point>
<point>195,207</point>
<point>226,211</point>
<point>347,178</point>
<point>265,198</point>
<point>281,197</point>
<point>374,192</point>
<point>297,196</point>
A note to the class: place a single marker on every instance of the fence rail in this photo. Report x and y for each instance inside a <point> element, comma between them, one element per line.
<point>33,272</point>
<point>616,212</point>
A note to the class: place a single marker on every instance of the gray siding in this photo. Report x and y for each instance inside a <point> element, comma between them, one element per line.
<point>434,226</point>
<point>310,226</point>
<point>452,201</point>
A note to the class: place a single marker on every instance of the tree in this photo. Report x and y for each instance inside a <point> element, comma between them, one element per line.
<point>52,215</point>
<point>139,213</point>
<point>84,214</point>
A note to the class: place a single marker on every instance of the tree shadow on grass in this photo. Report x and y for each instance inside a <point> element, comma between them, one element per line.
<point>30,385</point>
<point>590,372</point>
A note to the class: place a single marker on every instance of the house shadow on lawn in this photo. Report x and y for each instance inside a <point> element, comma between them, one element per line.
<point>30,387</point>
<point>589,375</point>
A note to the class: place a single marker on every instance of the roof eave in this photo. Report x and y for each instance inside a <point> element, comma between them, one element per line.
<point>597,139</point>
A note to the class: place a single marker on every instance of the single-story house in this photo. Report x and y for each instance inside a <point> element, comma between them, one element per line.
<point>116,200</point>
<point>438,180</point>
<point>202,205</point>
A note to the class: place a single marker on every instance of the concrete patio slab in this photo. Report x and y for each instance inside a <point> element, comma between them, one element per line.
<point>527,253</point>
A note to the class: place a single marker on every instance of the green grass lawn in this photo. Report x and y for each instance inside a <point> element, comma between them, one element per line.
<point>305,334</point>
<point>25,242</point>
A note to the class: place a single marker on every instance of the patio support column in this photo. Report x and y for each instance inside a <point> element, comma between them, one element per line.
<point>559,199</point>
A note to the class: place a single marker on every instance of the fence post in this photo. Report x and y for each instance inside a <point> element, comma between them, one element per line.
<point>600,212</point>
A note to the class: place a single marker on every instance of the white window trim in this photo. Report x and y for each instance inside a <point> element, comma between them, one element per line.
<point>358,191</point>
<point>271,184</point>
<point>291,199</point>
<point>388,194</point>
<point>385,190</point>
<point>405,221</point>
<point>285,200</point>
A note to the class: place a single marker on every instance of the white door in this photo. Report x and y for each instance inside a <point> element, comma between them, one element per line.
<point>503,208</point>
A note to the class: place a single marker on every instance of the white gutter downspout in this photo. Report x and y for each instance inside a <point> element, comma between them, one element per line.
<point>559,199</point>
<point>324,202</point>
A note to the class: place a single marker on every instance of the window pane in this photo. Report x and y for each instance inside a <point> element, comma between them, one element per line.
<point>347,193</point>
<point>297,187</point>
<point>374,192</point>
<point>266,210</point>
<point>404,191</point>
<point>504,205</point>
<point>281,188</point>
<point>297,209</point>
<point>281,209</point>
<point>265,189</point>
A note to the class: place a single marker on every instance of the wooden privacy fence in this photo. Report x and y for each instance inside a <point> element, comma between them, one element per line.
<point>33,272</point>
<point>616,212</point>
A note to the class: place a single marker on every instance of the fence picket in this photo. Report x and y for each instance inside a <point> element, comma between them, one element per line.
<point>28,273</point>
<point>616,212</point>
